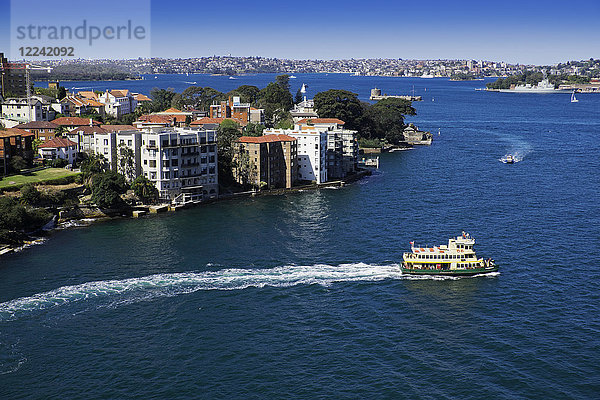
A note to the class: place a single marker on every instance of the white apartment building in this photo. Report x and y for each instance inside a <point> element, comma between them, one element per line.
<point>342,146</point>
<point>311,151</point>
<point>182,163</point>
<point>118,102</point>
<point>18,109</point>
<point>109,144</point>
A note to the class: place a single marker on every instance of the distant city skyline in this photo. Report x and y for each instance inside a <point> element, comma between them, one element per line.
<point>517,32</point>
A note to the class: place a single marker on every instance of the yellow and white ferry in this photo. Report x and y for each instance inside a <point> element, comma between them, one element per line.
<point>455,259</point>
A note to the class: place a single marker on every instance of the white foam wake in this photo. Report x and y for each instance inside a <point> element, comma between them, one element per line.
<point>188,282</point>
<point>160,285</point>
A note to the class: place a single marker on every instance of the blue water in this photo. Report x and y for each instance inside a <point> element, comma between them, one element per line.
<point>300,296</point>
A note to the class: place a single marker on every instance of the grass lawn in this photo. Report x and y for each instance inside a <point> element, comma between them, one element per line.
<point>34,177</point>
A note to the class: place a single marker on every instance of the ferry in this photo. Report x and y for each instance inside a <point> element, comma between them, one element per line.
<point>455,259</point>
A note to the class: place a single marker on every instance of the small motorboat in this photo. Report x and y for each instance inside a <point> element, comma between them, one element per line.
<point>509,159</point>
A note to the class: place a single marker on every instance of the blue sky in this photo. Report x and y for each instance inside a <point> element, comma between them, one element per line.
<point>538,32</point>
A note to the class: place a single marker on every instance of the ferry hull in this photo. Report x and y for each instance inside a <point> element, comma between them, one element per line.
<point>454,272</point>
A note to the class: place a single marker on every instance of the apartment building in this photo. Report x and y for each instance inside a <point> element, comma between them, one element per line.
<point>342,146</point>
<point>12,78</point>
<point>270,160</point>
<point>43,130</point>
<point>122,149</point>
<point>118,102</point>
<point>234,108</point>
<point>14,142</point>
<point>182,163</point>
<point>311,151</point>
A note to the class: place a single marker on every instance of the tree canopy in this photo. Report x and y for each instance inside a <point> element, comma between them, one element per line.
<point>340,104</point>
<point>144,189</point>
<point>382,120</point>
<point>107,188</point>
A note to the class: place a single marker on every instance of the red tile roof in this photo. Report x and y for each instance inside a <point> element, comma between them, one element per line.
<point>267,139</point>
<point>74,121</point>
<point>10,132</point>
<point>94,103</point>
<point>155,119</point>
<point>88,130</point>
<point>57,142</point>
<point>321,121</point>
<point>88,94</point>
<point>172,110</point>
<point>120,92</point>
<point>142,97</point>
<point>37,125</point>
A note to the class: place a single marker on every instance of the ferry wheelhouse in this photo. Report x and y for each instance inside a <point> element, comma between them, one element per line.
<point>458,258</point>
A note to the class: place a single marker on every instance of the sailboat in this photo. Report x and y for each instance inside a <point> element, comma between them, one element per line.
<point>573,98</point>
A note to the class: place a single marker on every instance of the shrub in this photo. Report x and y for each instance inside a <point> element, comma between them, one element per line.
<point>58,163</point>
<point>30,195</point>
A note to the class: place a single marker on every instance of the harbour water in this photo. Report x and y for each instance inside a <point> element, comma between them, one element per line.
<point>300,295</point>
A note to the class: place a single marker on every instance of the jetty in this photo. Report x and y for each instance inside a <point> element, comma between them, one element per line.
<point>376,96</point>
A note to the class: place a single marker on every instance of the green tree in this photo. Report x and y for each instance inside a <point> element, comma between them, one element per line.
<point>36,144</point>
<point>58,163</point>
<point>15,217</point>
<point>161,99</point>
<point>283,119</point>
<point>92,165</point>
<point>228,133</point>
<point>253,129</point>
<point>18,163</point>
<point>386,118</point>
<point>244,172</point>
<point>339,104</point>
<point>247,93</point>
<point>283,81</point>
<point>274,98</point>
<point>125,161</point>
<point>145,189</point>
<point>106,189</point>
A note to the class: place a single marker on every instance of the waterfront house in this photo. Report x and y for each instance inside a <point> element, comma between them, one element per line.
<point>18,109</point>
<point>304,110</point>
